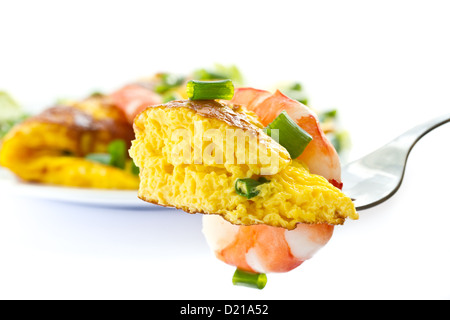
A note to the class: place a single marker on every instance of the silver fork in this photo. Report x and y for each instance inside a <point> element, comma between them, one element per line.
<point>377,176</point>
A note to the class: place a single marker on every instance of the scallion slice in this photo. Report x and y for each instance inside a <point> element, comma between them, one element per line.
<point>247,187</point>
<point>103,158</point>
<point>118,151</point>
<point>249,279</point>
<point>210,90</point>
<point>290,135</point>
<point>167,82</point>
<point>328,115</point>
<point>135,169</point>
<point>116,156</point>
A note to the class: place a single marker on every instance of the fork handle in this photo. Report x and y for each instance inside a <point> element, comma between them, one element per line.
<point>410,137</point>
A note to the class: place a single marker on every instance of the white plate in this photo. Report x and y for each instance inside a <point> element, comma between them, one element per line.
<point>84,196</point>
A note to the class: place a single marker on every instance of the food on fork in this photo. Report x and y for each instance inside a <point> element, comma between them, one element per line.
<point>269,205</point>
<point>182,166</point>
<point>260,249</point>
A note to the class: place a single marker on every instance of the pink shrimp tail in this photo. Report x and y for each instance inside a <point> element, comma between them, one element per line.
<point>262,248</point>
<point>133,98</point>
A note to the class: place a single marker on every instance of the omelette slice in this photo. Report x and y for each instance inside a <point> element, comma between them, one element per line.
<point>52,147</point>
<point>193,154</point>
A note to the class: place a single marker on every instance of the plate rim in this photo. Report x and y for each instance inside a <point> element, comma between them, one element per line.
<point>84,196</point>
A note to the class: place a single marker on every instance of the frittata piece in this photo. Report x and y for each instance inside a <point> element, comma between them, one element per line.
<point>50,147</point>
<point>204,180</point>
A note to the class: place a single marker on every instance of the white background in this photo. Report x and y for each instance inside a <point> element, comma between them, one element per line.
<point>384,64</point>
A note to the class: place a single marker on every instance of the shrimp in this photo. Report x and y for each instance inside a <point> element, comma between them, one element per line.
<point>319,155</point>
<point>262,248</point>
<point>133,98</point>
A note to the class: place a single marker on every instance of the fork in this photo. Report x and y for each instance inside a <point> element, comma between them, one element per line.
<point>377,176</point>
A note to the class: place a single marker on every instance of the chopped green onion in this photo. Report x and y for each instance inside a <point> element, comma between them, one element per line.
<point>116,156</point>
<point>168,82</point>
<point>296,86</point>
<point>290,135</point>
<point>219,72</point>
<point>210,90</point>
<point>341,141</point>
<point>103,158</point>
<point>327,115</point>
<point>118,151</point>
<point>96,94</point>
<point>249,279</point>
<point>170,96</point>
<point>247,187</point>
<point>294,90</point>
<point>135,169</point>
